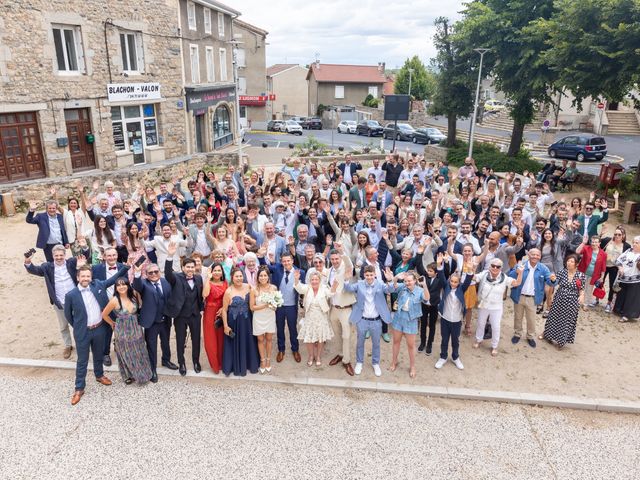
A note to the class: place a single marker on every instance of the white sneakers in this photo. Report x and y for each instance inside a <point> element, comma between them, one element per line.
<point>376,369</point>
<point>457,362</point>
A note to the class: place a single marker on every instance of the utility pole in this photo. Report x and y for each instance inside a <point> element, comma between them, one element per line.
<point>481,51</point>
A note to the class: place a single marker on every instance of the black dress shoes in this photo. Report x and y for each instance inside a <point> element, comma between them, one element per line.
<point>196,367</point>
<point>421,347</point>
<point>183,369</point>
<point>154,378</point>
<point>106,361</point>
<point>170,365</point>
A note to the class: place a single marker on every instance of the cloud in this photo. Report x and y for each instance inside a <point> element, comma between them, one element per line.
<point>338,31</point>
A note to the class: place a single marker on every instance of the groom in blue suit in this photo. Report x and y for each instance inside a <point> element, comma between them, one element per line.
<point>368,313</point>
<point>83,309</point>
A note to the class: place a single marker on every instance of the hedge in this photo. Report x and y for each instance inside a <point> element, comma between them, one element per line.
<point>487,154</point>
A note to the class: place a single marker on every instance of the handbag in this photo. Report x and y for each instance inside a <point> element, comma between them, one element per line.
<point>616,286</point>
<point>599,292</point>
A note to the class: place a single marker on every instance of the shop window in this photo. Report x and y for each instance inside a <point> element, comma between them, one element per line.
<point>221,127</point>
<point>134,127</point>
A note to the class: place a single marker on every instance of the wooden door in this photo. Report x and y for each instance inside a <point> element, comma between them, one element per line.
<point>78,127</point>
<point>20,150</point>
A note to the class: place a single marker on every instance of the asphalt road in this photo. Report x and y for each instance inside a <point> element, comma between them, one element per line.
<point>190,429</point>
<point>626,147</point>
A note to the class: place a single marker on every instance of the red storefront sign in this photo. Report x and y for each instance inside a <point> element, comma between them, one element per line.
<point>253,100</point>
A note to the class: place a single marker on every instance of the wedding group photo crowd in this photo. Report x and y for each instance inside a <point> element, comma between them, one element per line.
<point>252,264</point>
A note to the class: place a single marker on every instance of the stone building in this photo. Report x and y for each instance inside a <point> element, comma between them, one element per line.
<point>252,67</point>
<point>88,84</point>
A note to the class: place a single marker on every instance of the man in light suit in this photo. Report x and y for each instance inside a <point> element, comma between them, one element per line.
<point>341,270</point>
<point>276,245</point>
<point>83,309</point>
<point>51,229</point>
<point>370,312</point>
<point>161,246</point>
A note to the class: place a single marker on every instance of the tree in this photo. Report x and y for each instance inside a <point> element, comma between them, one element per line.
<point>454,79</point>
<point>423,82</point>
<point>594,47</point>
<point>508,28</point>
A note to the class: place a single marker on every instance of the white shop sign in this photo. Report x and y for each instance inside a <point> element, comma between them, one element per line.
<point>124,92</point>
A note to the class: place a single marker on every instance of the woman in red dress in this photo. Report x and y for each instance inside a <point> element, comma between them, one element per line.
<point>213,291</point>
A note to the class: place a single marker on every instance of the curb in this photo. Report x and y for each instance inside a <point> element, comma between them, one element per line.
<point>558,401</point>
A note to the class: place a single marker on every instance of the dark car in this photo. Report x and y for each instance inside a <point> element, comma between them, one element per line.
<point>404,131</point>
<point>312,123</point>
<point>579,147</point>
<point>428,135</point>
<point>274,125</point>
<point>370,128</point>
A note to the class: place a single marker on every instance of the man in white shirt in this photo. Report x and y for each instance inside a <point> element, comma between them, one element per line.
<point>376,171</point>
<point>161,245</point>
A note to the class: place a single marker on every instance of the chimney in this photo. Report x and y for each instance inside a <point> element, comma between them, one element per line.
<point>318,64</point>
<point>381,66</point>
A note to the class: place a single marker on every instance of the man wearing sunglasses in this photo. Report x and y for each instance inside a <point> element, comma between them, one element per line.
<point>589,222</point>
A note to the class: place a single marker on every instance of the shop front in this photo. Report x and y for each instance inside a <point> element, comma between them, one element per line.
<point>212,106</point>
<point>135,111</point>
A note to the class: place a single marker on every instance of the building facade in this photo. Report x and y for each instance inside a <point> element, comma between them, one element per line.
<point>343,85</point>
<point>290,94</point>
<point>251,62</point>
<point>207,45</point>
<point>80,92</point>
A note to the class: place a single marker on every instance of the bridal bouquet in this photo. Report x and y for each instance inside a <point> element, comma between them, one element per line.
<point>273,299</point>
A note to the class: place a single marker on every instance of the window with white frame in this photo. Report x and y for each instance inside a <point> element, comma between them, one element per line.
<point>207,20</point>
<point>339,93</point>
<point>194,55</point>
<point>242,86</point>
<point>68,45</point>
<point>373,91</point>
<point>221,24</point>
<point>132,52</point>
<point>241,57</point>
<point>223,64</point>
<point>191,16</point>
<point>211,77</point>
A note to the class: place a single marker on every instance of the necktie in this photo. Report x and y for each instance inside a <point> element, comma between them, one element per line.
<point>157,287</point>
<point>286,276</point>
<point>253,277</point>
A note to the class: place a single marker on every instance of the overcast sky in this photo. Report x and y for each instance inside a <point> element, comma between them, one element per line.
<point>361,32</point>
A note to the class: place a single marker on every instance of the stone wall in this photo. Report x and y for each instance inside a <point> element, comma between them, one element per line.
<point>152,174</point>
<point>30,80</point>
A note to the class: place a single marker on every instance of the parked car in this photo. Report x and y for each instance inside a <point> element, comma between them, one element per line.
<point>274,125</point>
<point>291,127</point>
<point>579,147</point>
<point>494,105</point>
<point>312,123</point>
<point>347,126</point>
<point>370,128</point>
<point>428,135</point>
<point>298,120</point>
<point>403,132</point>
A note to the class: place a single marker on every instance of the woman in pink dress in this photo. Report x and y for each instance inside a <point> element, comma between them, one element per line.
<point>135,247</point>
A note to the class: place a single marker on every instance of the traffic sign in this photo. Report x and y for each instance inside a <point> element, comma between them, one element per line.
<point>600,106</point>
<point>546,123</point>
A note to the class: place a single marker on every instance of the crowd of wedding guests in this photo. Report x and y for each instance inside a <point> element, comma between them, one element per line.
<point>317,254</point>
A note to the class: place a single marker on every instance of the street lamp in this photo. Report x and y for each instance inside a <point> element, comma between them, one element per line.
<point>481,51</point>
<point>410,72</point>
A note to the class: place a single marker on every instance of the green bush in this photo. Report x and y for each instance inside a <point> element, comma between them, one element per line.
<point>370,101</point>
<point>487,154</point>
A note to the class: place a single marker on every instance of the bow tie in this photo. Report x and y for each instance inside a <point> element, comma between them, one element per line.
<point>113,268</point>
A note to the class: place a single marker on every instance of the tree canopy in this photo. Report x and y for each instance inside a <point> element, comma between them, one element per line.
<point>423,84</point>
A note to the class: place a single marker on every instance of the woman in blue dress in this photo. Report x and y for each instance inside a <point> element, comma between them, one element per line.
<point>240,352</point>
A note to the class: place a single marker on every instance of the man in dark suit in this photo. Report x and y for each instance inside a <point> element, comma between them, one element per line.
<point>382,196</point>
<point>185,306</point>
<point>51,229</point>
<point>104,271</point>
<point>155,292</point>
<point>348,169</point>
<point>282,278</point>
<point>83,309</point>
<point>60,277</point>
